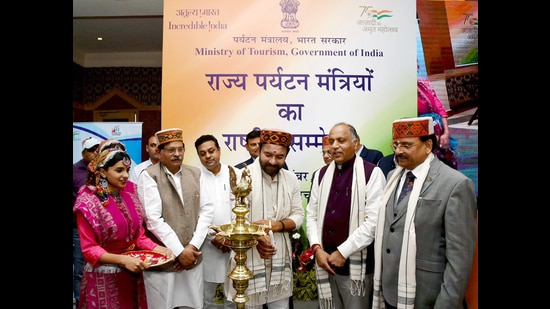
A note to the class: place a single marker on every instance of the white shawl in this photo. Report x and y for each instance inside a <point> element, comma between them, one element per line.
<point>406,290</point>
<point>281,267</point>
<point>357,214</point>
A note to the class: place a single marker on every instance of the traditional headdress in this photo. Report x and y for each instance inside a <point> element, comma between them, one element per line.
<point>169,135</point>
<point>276,137</point>
<point>111,143</point>
<point>325,141</point>
<point>94,176</point>
<point>413,127</point>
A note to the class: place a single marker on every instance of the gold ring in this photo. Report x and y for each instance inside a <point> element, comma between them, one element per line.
<point>195,262</point>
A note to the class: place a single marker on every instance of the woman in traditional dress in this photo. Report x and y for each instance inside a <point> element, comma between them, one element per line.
<point>110,220</point>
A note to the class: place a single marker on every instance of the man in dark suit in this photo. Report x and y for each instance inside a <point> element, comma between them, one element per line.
<point>252,146</point>
<point>371,155</point>
<point>425,239</point>
<point>386,164</point>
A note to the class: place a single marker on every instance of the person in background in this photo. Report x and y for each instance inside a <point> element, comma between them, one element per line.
<point>429,104</point>
<point>179,209</point>
<point>154,157</point>
<point>371,155</point>
<point>275,201</point>
<point>341,220</point>
<point>216,254</point>
<point>110,221</point>
<point>327,158</point>
<point>425,241</point>
<point>80,173</point>
<point>386,164</point>
<point>252,146</point>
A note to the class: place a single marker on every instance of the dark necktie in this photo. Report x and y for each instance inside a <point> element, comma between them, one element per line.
<point>407,186</point>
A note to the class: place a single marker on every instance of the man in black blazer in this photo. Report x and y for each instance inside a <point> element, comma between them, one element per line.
<point>371,155</point>
<point>386,164</point>
<point>252,146</point>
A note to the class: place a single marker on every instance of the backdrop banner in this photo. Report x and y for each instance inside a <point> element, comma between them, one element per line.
<point>301,66</point>
<point>129,133</point>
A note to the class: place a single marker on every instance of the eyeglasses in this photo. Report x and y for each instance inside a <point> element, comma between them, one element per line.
<point>402,146</point>
<point>172,150</point>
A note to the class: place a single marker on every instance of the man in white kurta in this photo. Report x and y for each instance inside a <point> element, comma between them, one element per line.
<point>341,219</point>
<point>179,209</point>
<point>215,254</point>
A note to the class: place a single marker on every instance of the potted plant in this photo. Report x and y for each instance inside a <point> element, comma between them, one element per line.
<point>303,263</point>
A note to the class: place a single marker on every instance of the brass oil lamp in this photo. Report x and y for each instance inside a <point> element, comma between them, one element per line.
<point>240,236</point>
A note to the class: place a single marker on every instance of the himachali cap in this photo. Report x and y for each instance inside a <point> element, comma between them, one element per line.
<point>325,141</point>
<point>276,137</point>
<point>89,143</point>
<point>169,135</point>
<point>413,127</point>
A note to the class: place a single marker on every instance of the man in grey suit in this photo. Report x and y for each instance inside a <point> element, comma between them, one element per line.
<point>425,241</point>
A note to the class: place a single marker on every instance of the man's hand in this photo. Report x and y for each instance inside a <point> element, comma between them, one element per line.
<point>188,258</point>
<point>323,261</point>
<point>219,242</point>
<point>336,259</point>
<point>265,248</point>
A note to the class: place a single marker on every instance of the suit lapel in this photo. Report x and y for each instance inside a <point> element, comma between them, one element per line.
<point>433,173</point>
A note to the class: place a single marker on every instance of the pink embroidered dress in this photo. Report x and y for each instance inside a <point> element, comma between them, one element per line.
<point>114,228</point>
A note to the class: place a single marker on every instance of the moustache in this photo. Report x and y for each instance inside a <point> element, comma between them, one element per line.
<point>273,165</point>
